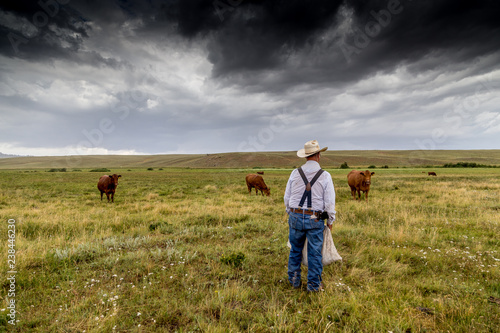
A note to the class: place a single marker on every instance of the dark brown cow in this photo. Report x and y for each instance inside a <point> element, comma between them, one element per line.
<point>258,182</point>
<point>431,173</point>
<point>260,172</point>
<point>359,181</point>
<point>107,184</point>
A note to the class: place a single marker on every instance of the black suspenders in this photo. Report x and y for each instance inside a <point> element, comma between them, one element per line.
<point>307,193</point>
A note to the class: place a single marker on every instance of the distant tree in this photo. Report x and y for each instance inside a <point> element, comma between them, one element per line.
<point>100,170</point>
<point>344,166</point>
<point>466,165</point>
<point>57,170</point>
<point>372,167</point>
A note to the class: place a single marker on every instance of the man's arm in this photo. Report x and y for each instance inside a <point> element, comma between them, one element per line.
<point>329,197</point>
<point>288,192</point>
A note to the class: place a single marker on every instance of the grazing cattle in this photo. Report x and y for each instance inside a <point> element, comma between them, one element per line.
<point>258,182</point>
<point>359,181</point>
<point>260,172</point>
<point>431,173</point>
<point>107,184</point>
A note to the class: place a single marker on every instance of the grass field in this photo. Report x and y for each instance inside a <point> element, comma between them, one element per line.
<point>189,250</point>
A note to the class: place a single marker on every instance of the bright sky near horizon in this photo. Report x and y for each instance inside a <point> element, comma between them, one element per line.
<point>196,76</point>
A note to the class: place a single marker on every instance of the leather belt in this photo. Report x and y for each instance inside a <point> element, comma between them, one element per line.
<point>304,211</point>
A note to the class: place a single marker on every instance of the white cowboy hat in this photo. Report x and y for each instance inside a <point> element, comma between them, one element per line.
<point>310,148</point>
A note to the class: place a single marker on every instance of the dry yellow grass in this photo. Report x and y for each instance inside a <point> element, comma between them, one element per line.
<point>151,261</point>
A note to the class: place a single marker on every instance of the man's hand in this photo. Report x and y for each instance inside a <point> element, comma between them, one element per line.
<point>329,226</point>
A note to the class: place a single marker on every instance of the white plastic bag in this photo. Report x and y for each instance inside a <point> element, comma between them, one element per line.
<point>328,252</point>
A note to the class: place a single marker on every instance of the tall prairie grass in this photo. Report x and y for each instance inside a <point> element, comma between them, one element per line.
<point>421,255</point>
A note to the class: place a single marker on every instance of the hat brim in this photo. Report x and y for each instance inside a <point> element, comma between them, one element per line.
<point>302,152</point>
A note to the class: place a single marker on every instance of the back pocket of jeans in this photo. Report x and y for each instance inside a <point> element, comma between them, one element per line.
<point>292,221</point>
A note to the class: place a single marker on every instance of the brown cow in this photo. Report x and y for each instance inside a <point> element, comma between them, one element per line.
<point>257,181</point>
<point>260,172</point>
<point>107,184</point>
<point>359,181</point>
<point>431,173</point>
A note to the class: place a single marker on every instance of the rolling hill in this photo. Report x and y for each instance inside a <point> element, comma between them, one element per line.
<point>330,159</point>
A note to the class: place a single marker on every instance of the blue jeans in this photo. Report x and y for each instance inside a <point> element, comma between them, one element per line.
<point>302,226</point>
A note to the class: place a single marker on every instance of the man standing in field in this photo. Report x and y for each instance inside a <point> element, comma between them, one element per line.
<point>309,198</point>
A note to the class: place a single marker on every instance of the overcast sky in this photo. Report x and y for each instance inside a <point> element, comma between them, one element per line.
<point>194,76</point>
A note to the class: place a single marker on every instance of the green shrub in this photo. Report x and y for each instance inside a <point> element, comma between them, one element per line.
<point>466,165</point>
<point>57,170</point>
<point>100,170</point>
<point>162,226</point>
<point>344,166</point>
<point>234,259</point>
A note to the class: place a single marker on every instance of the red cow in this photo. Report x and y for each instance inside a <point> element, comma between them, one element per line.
<point>257,181</point>
<point>359,181</point>
<point>107,184</point>
<point>431,173</point>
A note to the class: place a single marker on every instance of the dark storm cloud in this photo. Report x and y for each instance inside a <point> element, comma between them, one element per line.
<point>334,41</point>
<point>323,41</point>
<point>40,30</point>
<point>197,74</point>
<point>353,40</point>
<point>263,35</point>
<point>461,30</point>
